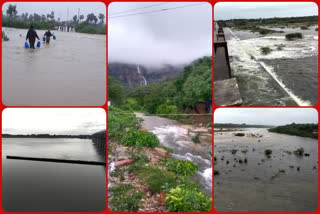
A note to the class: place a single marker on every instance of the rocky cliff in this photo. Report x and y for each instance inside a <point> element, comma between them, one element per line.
<point>133,76</point>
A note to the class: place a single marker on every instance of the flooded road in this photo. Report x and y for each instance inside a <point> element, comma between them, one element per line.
<point>284,182</point>
<point>35,186</point>
<point>287,76</point>
<point>70,71</point>
<point>177,137</point>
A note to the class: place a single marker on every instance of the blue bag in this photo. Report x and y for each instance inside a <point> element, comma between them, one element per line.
<point>26,45</point>
<point>54,37</point>
<point>38,44</point>
<point>44,39</point>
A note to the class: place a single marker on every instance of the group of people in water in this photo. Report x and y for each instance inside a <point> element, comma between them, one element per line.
<point>32,35</point>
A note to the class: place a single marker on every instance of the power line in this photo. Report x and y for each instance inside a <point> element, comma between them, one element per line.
<point>138,8</point>
<point>161,10</point>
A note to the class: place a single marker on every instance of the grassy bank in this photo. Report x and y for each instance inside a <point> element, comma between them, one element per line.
<point>153,182</point>
<point>15,23</point>
<point>90,29</point>
<point>302,130</point>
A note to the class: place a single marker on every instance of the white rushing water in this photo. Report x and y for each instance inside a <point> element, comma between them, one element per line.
<point>144,79</point>
<point>174,137</point>
<point>249,59</point>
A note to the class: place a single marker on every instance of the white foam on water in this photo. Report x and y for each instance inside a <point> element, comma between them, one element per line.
<point>207,174</point>
<point>297,99</point>
<point>191,157</point>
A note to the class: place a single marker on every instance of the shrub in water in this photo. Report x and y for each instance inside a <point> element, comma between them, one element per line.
<point>292,36</point>
<point>239,134</point>
<point>196,139</point>
<point>299,152</point>
<point>265,50</point>
<point>181,199</point>
<point>268,152</point>
<point>181,167</point>
<point>139,138</point>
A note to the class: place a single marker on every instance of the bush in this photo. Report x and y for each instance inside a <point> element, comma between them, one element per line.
<point>139,158</point>
<point>196,139</point>
<point>125,198</point>
<point>292,36</point>
<point>265,50</point>
<point>158,179</point>
<point>268,152</point>
<point>180,199</point>
<point>181,167</point>
<point>304,28</point>
<point>119,120</point>
<point>4,36</point>
<point>299,152</point>
<point>90,29</point>
<point>139,138</point>
<point>239,134</point>
<point>168,109</point>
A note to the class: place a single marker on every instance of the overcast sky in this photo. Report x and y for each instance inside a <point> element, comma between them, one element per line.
<point>53,121</point>
<point>266,116</point>
<point>60,8</point>
<point>236,10</point>
<point>174,36</point>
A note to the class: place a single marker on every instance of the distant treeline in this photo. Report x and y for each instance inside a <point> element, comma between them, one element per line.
<point>276,21</point>
<point>45,136</point>
<point>302,130</point>
<point>243,125</point>
<point>92,24</point>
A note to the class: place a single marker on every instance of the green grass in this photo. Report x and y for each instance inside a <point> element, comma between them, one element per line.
<point>139,138</point>
<point>126,198</point>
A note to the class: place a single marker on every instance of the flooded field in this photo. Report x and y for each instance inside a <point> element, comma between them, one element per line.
<point>248,181</point>
<point>287,76</point>
<point>70,71</point>
<point>35,186</point>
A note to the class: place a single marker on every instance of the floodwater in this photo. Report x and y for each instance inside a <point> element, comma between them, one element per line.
<point>283,183</point>
<point>70,71</point>
<point>34,186</point>
<point>287,76</point>
<point>176,136</point>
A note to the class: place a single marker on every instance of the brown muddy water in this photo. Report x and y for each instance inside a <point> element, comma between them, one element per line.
<point>282,183</point>
<point>70,71</point>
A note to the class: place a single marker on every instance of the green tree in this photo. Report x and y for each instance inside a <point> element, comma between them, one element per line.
<point>101,17</point>
<point>81,17</point>
<point>115,91</point>
<point>12,11</point>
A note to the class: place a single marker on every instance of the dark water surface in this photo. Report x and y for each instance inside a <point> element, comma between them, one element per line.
<point>258,185</point>
<point>32,186</point>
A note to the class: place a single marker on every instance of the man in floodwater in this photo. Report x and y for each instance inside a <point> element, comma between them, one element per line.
<point>31,35</point>
<point>48,34</point>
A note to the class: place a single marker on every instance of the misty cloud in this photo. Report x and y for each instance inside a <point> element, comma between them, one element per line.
<point>245,10</point>
<point>266,116</point>
<point>168,37</point>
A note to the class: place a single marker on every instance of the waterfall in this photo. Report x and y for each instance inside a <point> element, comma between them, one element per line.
<point>144,79</point>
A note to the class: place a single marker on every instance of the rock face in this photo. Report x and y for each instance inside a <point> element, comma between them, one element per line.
<point>132,77</point>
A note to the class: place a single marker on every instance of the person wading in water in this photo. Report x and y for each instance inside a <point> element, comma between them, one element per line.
<point>48,34</point>
<point>32,35</point>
